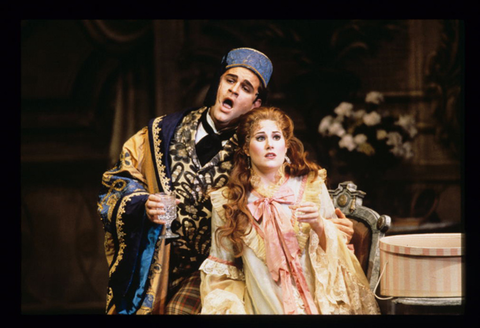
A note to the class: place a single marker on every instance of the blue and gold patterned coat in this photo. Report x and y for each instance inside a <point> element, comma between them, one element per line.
<point>159,157</point>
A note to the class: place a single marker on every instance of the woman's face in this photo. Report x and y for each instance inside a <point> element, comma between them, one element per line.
<point>267,148</point>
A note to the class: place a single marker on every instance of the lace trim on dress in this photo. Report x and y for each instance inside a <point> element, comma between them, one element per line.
<point>337,289</point>
<point>271,189</point>
<point>215,266</point>
<point>220,301</point>
<point>298,300</point>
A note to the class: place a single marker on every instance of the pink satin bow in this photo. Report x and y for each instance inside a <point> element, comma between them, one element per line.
<point>282,247</point>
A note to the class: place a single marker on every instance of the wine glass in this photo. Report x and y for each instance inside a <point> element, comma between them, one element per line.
<point>170,204</point>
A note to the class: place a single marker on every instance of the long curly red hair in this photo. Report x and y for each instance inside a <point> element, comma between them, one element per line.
<point>238,217</point>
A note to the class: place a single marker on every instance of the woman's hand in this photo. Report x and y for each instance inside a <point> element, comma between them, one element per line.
<point>308,212</point>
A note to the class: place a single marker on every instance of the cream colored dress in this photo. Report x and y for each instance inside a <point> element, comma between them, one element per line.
<point>319,281</point>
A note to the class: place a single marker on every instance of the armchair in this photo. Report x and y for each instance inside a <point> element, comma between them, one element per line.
<point>369,227</point>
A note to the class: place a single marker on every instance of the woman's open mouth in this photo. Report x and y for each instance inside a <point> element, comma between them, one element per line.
<point>270,155</point>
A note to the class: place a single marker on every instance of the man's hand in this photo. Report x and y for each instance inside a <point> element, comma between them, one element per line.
<point>154,207</point>
<point>343,224</point>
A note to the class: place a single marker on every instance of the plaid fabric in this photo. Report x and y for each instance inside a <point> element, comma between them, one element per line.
<point>187,299</point>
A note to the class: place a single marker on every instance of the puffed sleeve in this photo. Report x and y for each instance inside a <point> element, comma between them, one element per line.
<point>222,288</point>
<point>340,283</point>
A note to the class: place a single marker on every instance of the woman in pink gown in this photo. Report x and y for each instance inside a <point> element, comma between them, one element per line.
<point>275,246</point>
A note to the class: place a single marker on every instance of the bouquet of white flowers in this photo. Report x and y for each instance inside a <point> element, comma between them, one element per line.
<point>369,132</point>
<point>367,142</point>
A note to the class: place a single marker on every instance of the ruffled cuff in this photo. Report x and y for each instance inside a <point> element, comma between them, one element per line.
<point>220,301</point>
<point>217,267</point>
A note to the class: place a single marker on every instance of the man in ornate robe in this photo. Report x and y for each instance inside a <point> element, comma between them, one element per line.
<point>146,274</point>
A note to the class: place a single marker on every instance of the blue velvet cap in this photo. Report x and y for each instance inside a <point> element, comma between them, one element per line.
<point>252,59</point>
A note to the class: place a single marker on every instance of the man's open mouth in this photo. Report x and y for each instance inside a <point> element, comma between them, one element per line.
<point>228,103</point>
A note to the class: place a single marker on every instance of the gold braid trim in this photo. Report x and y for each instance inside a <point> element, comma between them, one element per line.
<point>164,181</point>
<point>119,228</point>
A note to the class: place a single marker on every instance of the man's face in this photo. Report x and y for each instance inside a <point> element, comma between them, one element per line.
<point>236,95</point>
